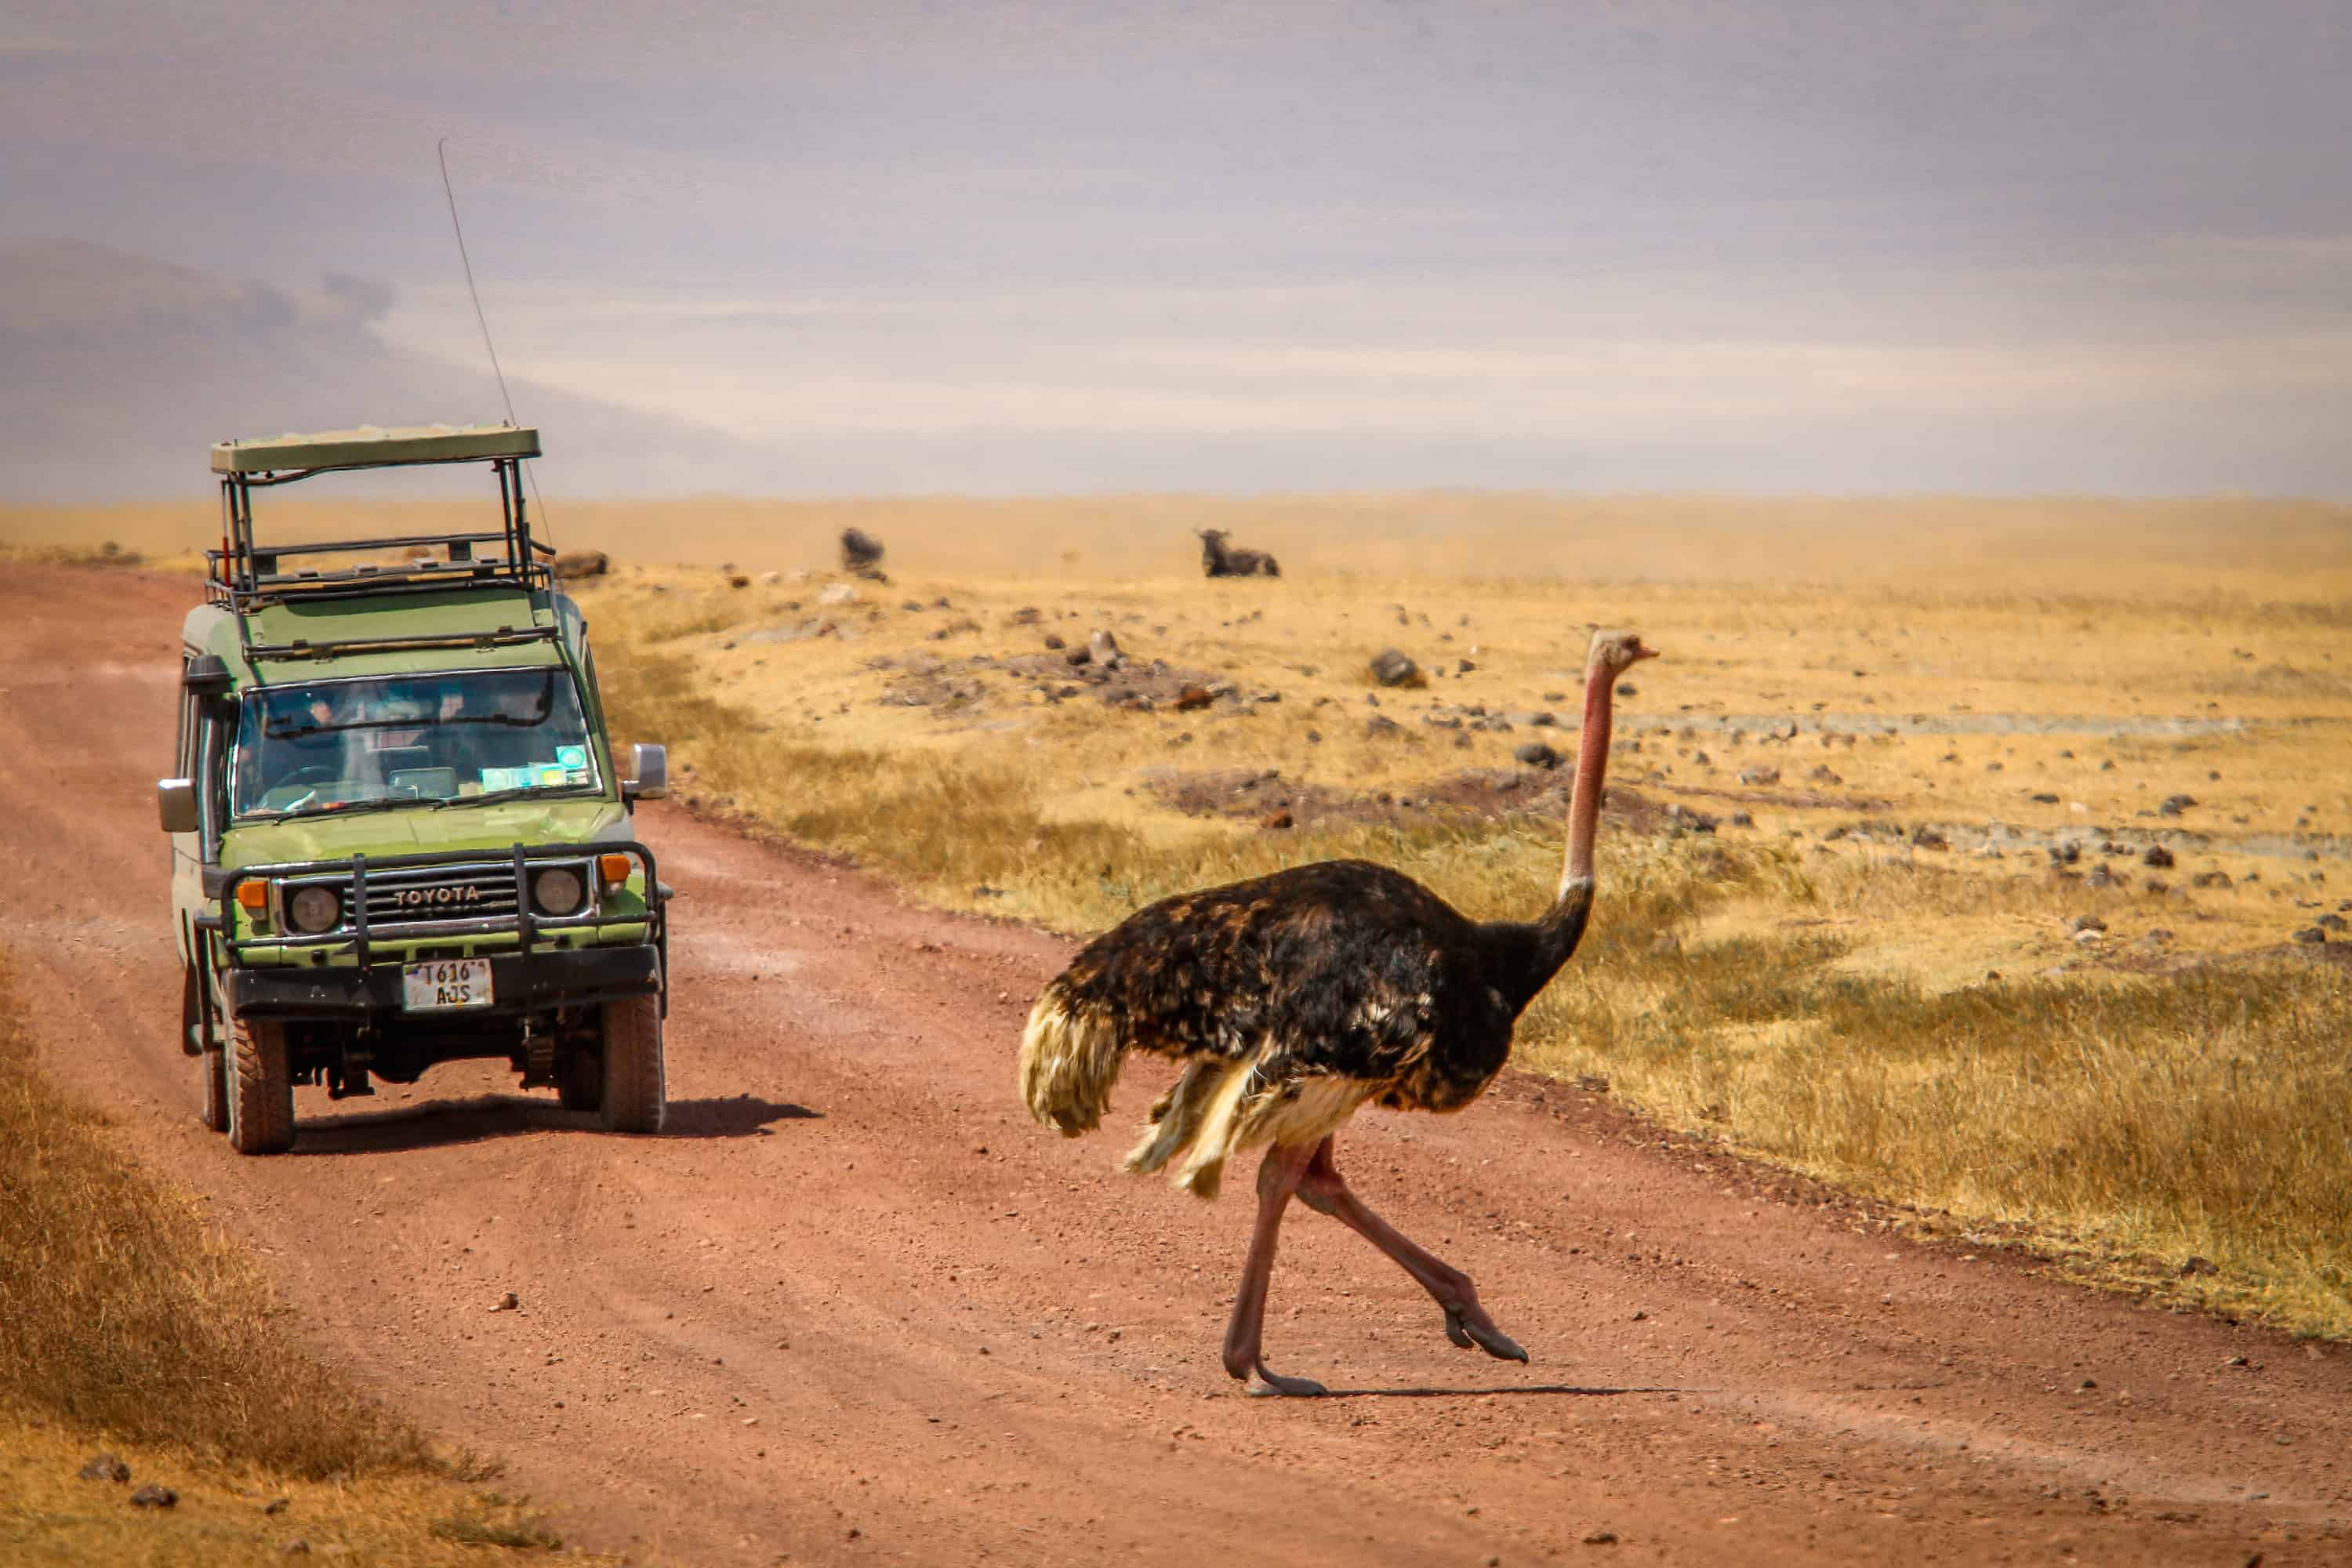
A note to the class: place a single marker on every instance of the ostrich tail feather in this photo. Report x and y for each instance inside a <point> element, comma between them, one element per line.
<point>1069,1063</point>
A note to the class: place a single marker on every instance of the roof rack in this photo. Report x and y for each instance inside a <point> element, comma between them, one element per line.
<point>245,577</point>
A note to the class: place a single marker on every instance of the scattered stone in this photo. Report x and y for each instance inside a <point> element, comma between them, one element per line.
<point>1688,820</point>
<point>1542,720</point>
<point>2311,936</point>
<point>298,1547</point>
<point>738,580</point>
<point>2210,880</point>
<point>1054,643</point>
<point>1926,838</point>
<point>1266,696</point>
<point>2330,922</point>
<point>1823,775</point>
<point>1390,667</point>
<point>106,1468</point>
<point>1027,615</point>
<point>2065,854</point>
<point>1602,1538</point>
<point>2158,887</point>
<point>1535,754</point>
<point>276,1506</point>
<point>1104,649</point>
<point>1464,667</point>
<point>2044,798</point>
<point>1700,759</point>
<point>571,565</point>
<point>152,1495</point>
<point>2157,856</point>
<point>2157,936</point>
<point>2174,804</point>
<point>2195,1265</point>
<point>509,1302</point>
<point>1992,767</point>
<point>1192,698</point>
<point>1380,724</point>
<point>2101,876</point>
<point>1742,819</point>
<point>1275,819</point>
<point>1759,775</point>
<point>837,594</point>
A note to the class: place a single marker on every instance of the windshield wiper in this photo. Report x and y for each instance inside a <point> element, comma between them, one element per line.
<point>346,807</point>
<point>491,796</point>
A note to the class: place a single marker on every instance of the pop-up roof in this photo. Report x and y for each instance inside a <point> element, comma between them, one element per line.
<point>368,447</point>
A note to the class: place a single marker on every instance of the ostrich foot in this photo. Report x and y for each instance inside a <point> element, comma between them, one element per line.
<point>1267,1385</point>
<point>1471,1328</point>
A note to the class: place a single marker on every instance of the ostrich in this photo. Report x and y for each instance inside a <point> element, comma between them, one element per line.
<point>1219,560</point>
<point>1293,1000</point>
<point>860,552</point>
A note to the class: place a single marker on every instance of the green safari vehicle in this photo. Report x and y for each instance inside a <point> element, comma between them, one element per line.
<point>398,833</point>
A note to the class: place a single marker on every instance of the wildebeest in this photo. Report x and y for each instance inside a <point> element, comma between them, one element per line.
<point>860,552</point>
<point>1219,560</point>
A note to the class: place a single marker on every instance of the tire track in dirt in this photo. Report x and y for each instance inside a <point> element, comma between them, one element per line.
<point>854,1306</point>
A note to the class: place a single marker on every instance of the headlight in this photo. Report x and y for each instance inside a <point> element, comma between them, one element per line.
<point>558,891</point>
<point>314,909</point>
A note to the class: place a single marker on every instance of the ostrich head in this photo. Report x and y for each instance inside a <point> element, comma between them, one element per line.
<point>1614,653</point>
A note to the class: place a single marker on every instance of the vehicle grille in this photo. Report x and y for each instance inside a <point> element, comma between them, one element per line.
<point>439,893</point>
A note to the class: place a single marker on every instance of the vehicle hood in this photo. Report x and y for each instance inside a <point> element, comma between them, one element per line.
<point>426,831</point>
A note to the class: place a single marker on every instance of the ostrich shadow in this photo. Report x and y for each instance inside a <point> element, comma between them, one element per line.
<point>479,1118</point>
<point>1552,1389</point>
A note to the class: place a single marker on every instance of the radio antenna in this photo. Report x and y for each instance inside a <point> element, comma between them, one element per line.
<point>441,150</point>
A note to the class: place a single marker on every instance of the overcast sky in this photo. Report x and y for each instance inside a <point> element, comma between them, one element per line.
<point>905,246</point>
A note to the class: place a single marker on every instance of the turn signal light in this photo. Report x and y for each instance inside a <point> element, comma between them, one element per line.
<point>612,870</point>
<point>254,895</point>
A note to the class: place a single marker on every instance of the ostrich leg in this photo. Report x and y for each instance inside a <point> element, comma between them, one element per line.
<point>1322,1189</point>
<point>1278,1179</point>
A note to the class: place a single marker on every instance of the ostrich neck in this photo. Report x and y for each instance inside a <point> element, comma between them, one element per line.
<point>1592,763</point>
<point>1526,956</point>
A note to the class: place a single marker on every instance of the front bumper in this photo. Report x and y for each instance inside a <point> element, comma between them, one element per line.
<point>542,980</point>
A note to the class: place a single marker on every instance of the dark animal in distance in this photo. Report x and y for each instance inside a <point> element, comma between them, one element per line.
<point>1219,559</point>
<point>1294,999</point>
<point>860,552</point>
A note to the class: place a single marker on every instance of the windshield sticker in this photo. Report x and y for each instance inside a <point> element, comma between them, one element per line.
<point>572,757</point>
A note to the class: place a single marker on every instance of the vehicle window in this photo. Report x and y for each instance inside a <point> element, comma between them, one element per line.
<point>184,752</point>
<point>451,738</point>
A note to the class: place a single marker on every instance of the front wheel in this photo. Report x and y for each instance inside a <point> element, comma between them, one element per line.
<point>635,1090</point>
<point>215,1067</point>
<point>260,1088</point>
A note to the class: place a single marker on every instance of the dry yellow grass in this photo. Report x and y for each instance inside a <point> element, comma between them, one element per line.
<point>1822,996</point>
<point>128,1325</point>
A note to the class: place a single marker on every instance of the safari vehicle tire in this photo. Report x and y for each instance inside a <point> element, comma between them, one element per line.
<point>211,1064</point>
<point>260,1088</point>
<point>634,1086</point>
<point>214,1066</point>
<point>579,1081</point>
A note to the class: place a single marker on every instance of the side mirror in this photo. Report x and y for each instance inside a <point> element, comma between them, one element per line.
<point>651,766</point>
<point>175,805</point>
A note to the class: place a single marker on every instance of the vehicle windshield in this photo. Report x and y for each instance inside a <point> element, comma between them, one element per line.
<point>450,739</point>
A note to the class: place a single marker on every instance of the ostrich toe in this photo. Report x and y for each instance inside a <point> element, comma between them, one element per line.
<point>1473,1330</point>
<point>1274,1385</point>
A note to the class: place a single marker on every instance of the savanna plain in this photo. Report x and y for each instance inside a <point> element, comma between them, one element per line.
<point>1989,859</point>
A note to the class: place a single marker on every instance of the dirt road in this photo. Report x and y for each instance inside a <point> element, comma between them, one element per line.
<point>853,1307</point>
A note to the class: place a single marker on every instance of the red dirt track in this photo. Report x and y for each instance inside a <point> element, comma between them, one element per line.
<point>853,1307</point>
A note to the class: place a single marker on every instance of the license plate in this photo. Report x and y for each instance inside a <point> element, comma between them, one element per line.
<point>445,984</point>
